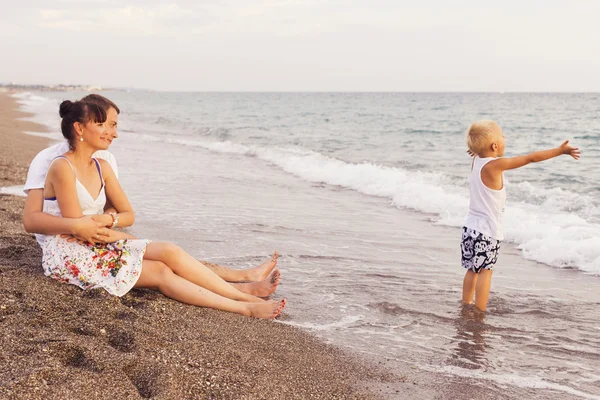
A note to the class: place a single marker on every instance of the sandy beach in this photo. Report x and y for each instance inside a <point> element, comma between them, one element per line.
<point>60,342</point>
<point>336,138</point>
<point>373,284</point>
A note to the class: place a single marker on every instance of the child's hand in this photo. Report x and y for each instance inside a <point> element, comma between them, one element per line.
<point>572,151</point>
<point>470,153</point>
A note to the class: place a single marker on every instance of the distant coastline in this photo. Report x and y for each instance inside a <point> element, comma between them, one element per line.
<point>14,88</point>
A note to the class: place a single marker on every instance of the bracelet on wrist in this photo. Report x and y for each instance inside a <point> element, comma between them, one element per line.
<point>115,219</point>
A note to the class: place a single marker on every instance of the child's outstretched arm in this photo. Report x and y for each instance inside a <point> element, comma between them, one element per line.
<point>503,164</point>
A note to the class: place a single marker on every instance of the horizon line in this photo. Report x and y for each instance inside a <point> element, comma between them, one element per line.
<point>120,88</point>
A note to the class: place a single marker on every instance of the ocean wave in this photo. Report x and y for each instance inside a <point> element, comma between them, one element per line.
<point>30,99</point>
<point>527,382</point>
<point>13,190</point>
<point>546,230</point>
<point>44,109</point>
<point>28,96</point>
<point>591,137</point>
<point>343,323</point>
<point>555,198</point>
<point>554,226</point>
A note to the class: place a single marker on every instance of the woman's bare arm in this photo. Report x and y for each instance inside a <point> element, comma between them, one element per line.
<point>37,221</point>
<point>61,183</point>
<point>116,196</point>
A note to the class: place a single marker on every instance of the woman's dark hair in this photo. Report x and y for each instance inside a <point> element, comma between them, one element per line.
<point>101,101</point>
<point>78,111</point>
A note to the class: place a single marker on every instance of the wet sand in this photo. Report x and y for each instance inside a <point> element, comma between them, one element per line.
<point>17,149</point>
<point>386,281</point>
<point>60,342</point>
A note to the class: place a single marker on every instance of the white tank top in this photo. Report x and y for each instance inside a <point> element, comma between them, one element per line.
<point>89,205</point>
<point>486,206</point>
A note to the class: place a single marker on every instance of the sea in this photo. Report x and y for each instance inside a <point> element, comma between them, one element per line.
<point>364,196</point>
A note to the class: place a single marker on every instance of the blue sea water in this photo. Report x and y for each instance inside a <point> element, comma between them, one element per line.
<point>408,148</point>
<point>364,195</point>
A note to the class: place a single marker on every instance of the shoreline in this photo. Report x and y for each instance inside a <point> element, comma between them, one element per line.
<point>59,341</point>
<point>18,149</point>
<point>403,315</point>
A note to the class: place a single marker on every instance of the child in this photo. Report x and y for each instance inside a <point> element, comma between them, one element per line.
<point>483,233</point>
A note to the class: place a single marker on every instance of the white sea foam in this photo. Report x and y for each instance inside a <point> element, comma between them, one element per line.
<point>545,232</point>
<point>342,323</point>
<point>553,226</point>
<point>14,190</point>
<point>527,382</point>
<point>44,109</point>
<point>28,98</point>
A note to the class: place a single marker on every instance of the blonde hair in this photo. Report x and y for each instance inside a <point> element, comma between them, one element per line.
<point>480,135</point>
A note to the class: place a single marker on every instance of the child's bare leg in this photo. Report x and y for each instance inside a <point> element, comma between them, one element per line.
<point>469,286</point>
<point>262,288</point>
<point>156,275</point>
<point>246,275</point>
<point>194,271</point>
<point>482,290</point>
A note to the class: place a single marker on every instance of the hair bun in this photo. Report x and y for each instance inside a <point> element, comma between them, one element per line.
<point>65,107</point>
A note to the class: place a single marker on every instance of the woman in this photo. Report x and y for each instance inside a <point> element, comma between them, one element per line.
<point>78,185</point>
<point>259,281</point>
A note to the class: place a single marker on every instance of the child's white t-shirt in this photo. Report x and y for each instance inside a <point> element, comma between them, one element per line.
<point>36,176</point>
<point>486,206</point>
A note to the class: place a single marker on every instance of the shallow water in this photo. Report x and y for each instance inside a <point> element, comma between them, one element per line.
<point>405,147</point>
<point>359,268</point>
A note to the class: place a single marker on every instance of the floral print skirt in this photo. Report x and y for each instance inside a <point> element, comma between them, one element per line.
<point>115,267</point>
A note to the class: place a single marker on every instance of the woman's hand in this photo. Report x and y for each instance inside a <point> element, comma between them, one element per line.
<point>87,230</point>
<point>92,229</point>
<point>116,196</point>
<point>111,236</point>
<point>105,219</point>
<point>103,235</point>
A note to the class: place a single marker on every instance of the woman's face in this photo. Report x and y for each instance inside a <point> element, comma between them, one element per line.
<point>112,120</point>
<point>99,135</point>
<point>95,135</point>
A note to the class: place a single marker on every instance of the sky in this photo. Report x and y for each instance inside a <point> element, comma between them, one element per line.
<point>304,45</point>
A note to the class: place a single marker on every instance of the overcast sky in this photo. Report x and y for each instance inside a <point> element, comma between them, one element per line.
<point>304,45</point>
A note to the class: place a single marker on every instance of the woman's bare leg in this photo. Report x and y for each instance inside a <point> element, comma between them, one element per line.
<point>186,266</point>
<point>244,275</point>
<point>156,275</point>
<point>262,288</point>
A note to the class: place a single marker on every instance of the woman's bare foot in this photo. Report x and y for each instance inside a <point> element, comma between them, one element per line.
<point>262,271</point>
<point>266,310</point>
<point>262,288</point>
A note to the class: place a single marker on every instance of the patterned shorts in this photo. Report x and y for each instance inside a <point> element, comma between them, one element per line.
<point>478,251</point>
